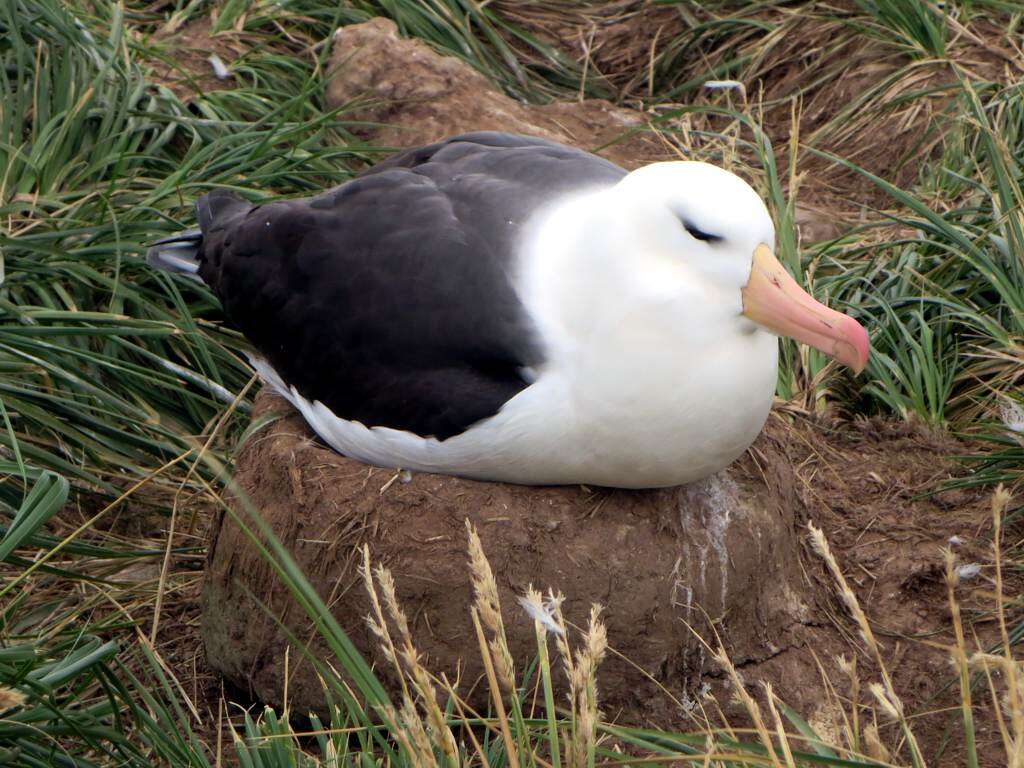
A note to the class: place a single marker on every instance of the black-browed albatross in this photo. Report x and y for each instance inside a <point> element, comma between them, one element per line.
<point>507,308</point>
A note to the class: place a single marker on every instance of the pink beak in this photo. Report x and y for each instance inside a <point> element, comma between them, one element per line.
<point>772,298</point>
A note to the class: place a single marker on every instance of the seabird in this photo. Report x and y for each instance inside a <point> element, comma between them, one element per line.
<point>507,308</point>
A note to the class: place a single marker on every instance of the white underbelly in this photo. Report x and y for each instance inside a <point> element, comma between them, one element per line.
<point>645,429</point>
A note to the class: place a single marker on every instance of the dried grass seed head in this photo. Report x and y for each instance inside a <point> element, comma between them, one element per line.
<point>485,588</point>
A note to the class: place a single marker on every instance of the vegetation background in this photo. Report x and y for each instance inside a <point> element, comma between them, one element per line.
<point>122,394</point>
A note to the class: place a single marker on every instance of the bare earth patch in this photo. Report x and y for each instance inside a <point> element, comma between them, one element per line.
<point>868,485</point>
<point>186,67</point>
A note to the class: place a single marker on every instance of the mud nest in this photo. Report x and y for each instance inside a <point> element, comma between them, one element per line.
<point>722,552</point>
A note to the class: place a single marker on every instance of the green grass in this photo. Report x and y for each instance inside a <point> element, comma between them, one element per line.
<point>113,377</point>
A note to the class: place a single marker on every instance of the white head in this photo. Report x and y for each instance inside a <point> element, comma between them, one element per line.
<point>689,246</point>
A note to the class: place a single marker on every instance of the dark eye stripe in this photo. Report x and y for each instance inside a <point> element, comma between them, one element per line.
<point>700,234</point>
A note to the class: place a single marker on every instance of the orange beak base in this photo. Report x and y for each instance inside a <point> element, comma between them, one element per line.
<point>773,299</point>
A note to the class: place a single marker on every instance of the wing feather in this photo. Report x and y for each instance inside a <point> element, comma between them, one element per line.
<point>389,298</point>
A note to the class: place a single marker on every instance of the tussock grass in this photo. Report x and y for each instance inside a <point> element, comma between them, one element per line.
<point>121,391</point>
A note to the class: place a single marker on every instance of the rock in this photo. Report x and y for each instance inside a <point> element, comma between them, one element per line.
<point>419,96</point>
<point>659,560</point>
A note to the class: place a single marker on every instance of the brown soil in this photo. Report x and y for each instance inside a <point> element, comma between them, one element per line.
<point>867,485</point>
<point>186,68</point>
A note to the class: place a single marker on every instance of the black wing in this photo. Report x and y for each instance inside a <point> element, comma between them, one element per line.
<point>388,298</point>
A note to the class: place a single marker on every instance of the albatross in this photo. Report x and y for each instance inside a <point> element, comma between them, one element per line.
<point>506,308</point>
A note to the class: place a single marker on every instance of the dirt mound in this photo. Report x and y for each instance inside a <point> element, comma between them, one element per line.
<point>658,560</point>
<point>864,483</point>
<point>417,96</point>
<point>650,557</point>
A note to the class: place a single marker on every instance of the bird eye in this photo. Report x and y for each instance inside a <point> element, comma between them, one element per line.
<point>700,234</point>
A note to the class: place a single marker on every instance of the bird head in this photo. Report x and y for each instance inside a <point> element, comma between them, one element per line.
<point>706,238</point>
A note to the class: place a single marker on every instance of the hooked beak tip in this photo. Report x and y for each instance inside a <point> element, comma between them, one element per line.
<point>859,343</point>
<point>773,299</point>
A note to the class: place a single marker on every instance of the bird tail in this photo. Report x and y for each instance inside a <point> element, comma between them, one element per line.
<point>179,253</point>
<point>216,213</point>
